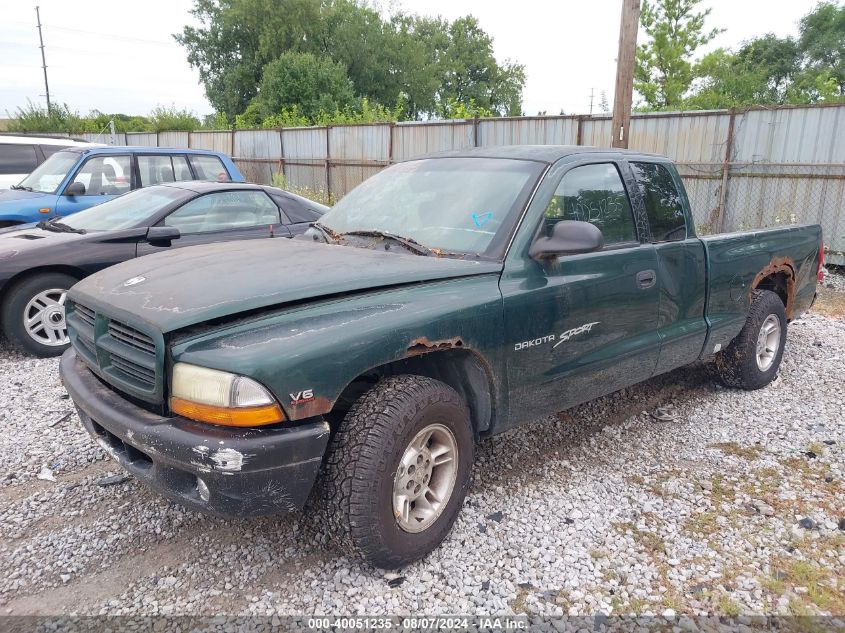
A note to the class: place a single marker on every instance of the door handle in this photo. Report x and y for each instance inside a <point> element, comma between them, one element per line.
<point>646,279</point>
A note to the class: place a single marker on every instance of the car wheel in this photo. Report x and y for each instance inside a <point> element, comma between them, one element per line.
<point>752,359</point>
<point>398,470</point>
<point>33,314</point>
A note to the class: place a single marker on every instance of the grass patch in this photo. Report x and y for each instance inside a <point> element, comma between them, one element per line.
<point>732,448</point>
<point>517,604</point>
<point>822,583</point>
<point>729,607</point>
<point>702,523</point>
<point>830,303</point>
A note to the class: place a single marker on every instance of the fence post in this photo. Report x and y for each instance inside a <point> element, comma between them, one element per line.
<point>390,143</point>
<point>328,161</point>
<point>579,133</point>
<point>282,155</point>
<point>726,166</point>
<point>475,132</point>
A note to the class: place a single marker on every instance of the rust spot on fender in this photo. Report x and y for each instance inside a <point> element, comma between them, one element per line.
<point>318,406</point>
<point>423,345</point>
<point>783,265</point>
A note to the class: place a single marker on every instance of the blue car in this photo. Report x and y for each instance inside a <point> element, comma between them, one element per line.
<point>77,178</point>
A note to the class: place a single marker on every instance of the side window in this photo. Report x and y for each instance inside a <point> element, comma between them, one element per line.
<point>156,169</point>
<point>210,168</point>
<point>105,175</point>
<point>49,150</point>
<point>595,194</point>
<point>17,159</point>
<point>225,210</point>
<point>296,210</point>
<point>663,203</point>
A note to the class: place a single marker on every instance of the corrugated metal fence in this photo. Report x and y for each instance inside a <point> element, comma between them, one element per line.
<point>743,169</point>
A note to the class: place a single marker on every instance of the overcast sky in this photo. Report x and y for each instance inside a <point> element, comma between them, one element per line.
<point>122,58</point>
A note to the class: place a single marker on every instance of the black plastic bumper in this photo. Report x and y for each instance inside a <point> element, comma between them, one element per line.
<point>218,470</point>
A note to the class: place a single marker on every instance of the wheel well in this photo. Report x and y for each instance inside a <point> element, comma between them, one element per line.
<point>778,277</point>
<point>463,370</point>
<point>67,270</point>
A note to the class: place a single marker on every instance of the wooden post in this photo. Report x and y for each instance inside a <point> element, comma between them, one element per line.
<point>726,168</point>
<point>624,91</point>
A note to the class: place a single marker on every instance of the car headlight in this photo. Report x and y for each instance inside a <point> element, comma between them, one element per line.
<point>218,397</point>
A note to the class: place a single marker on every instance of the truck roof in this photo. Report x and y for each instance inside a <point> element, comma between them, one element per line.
<point>540,153</point>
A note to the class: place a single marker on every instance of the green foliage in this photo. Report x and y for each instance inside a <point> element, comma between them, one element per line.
<point>419,61</point>
<point>822,42</point>
<point>767,70</point>
<point>60,119</point>
<point>664,70</point>
<point>317,195</point>
<point>313,84</point>
<point>453,109</point>
<point>170,118</point>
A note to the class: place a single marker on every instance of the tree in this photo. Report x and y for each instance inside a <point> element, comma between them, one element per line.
<point>822,42</point>
<point>418,61</point>
<point>313,84</point>
<point>664,65</point>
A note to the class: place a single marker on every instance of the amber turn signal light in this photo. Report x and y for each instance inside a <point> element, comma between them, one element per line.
<point>224,416</point>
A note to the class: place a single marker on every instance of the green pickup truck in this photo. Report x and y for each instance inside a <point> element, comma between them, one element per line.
<point>443,300</point>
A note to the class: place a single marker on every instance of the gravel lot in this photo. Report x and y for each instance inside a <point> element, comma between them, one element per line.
<point>736,506</point>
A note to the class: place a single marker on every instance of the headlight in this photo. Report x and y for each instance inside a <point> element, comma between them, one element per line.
<point>219,397</point>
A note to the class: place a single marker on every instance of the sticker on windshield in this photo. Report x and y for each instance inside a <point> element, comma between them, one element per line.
<point>481,218</point>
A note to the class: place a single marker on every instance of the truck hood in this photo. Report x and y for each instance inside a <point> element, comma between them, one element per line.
<point>189,286</point>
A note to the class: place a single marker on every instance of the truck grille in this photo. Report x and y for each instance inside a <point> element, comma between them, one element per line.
<point>122,355</point>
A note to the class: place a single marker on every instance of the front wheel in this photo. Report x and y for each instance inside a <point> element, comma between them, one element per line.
<point>33,314</point>
<point>398,470</point>
<point>752,359</point>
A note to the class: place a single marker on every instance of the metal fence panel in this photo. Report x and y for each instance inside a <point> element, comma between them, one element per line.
<point>215,141</point>
<point>528,131</point>
<point>142,139</point>
<point>258,154</point>
<point>174,139</point>
<point>416,139</point>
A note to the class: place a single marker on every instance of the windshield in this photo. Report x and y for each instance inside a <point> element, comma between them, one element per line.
<point>49,175</point>
<point>124,212</point>
<point>463,205</point>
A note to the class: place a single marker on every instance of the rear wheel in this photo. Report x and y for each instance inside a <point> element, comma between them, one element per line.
<point>752,359</point>
<point>398,470</point>
<point>33,314</point>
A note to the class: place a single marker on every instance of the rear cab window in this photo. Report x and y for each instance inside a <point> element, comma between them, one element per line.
<point>208,167</point>
<point>663,203</point>
<point>594,194</point>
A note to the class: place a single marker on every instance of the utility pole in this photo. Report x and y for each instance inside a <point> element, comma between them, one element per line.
<point>592,91</point>
<point>43,59</point>
<point>624,92</point>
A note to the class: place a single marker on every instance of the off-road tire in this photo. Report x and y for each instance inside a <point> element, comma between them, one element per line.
<point>11,312</point>
<point>356,487</point>
<point>737,364</point>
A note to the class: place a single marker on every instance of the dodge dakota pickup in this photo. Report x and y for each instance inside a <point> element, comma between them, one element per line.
<point>443,300</point>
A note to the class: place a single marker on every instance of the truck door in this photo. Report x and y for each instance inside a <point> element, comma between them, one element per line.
<point>681,274</point>
<point>581,326</point>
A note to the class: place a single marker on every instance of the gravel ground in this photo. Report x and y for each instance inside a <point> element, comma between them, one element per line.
<point>735,506</point>
<point>835,278</point>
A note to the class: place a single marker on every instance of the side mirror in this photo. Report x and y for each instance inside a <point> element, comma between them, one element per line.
<point>162,235</point>
<point>75,188</point>
<point>569,237</point>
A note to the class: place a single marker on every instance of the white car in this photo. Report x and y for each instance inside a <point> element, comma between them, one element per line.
<point>19,155</point>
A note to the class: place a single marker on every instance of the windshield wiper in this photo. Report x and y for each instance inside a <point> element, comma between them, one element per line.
<point>20,188</point>
<point>411,244</point>
<point>58,227</point>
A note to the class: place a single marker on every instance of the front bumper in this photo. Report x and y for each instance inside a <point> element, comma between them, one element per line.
<point>218,470</point>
